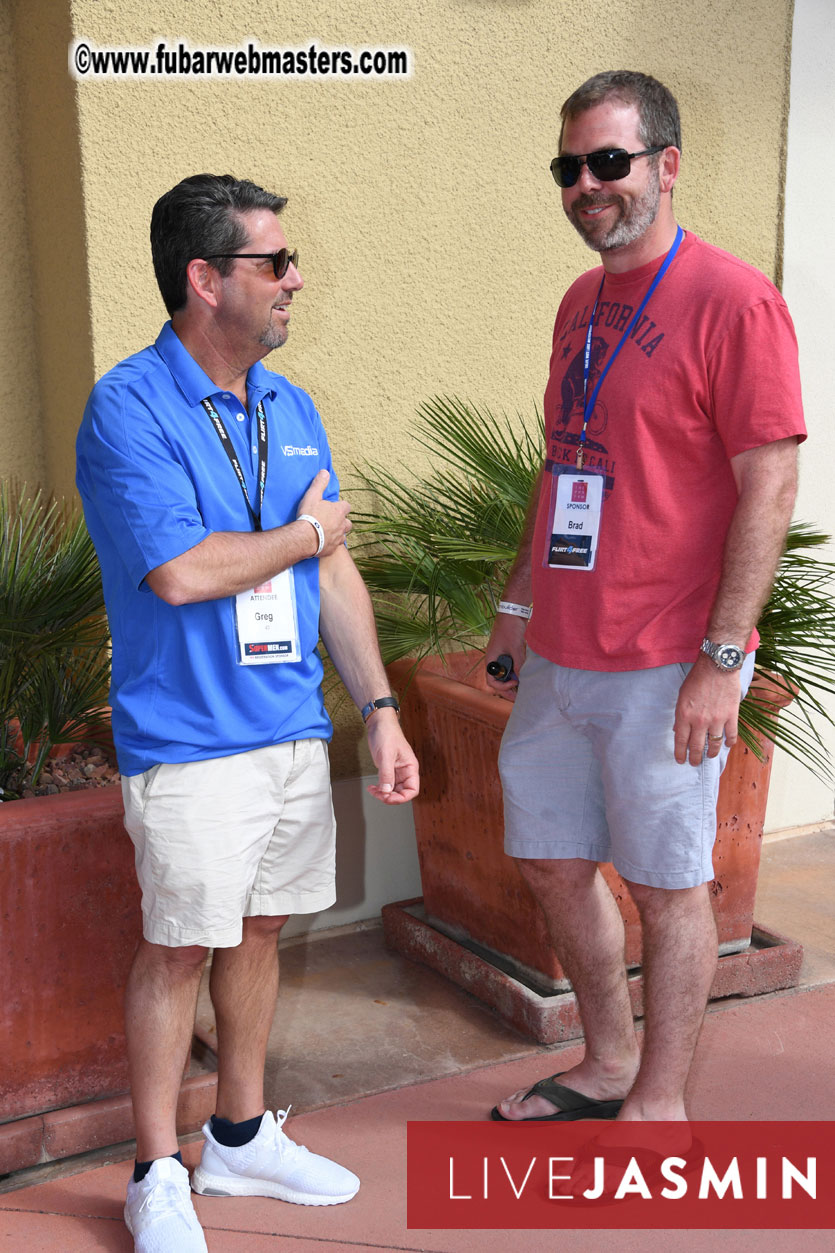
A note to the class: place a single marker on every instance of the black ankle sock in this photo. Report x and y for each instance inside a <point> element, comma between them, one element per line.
<point>235,1134</point>
<point>140,1169</point>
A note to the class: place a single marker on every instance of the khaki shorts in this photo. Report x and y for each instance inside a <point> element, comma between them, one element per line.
<point>588,771</point>
<point>230,838</point>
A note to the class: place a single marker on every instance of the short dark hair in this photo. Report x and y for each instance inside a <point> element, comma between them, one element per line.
<point>660,123</point>
<point>201,217</point>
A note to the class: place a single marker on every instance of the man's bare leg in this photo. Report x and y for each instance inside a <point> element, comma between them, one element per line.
<point>679,962</point>
<point>160,1001</point>
<point>587,931</point>
<point>244,987</point>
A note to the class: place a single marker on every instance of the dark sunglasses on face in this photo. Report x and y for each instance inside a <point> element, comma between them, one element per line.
<point>282,260</point>
<point>607,165</point>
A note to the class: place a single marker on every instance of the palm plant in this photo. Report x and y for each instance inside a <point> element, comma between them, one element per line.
<point>54,643</point>
<point>438,552</point>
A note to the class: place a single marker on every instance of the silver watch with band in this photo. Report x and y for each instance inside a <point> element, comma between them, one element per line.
<point>725,657</point>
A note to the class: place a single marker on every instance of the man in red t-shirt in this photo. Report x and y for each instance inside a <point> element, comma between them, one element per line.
<point>672,417</point>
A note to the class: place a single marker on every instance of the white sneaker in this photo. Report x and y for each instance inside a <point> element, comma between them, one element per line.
<point>272,1165</point>
<point>159,1213</point>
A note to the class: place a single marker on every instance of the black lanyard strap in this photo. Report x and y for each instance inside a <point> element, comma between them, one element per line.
<point>226,442</point>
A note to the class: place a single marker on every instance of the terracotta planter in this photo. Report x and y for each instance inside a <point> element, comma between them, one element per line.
<point>472,890</point>
<point>70,920</point>
<point>70,917</point>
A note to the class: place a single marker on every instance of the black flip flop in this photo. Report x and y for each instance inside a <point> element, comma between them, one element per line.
<point>571,1106</point>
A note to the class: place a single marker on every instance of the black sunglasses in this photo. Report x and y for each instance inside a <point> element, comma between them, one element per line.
<point>282,260</point>
<point>607,165</point>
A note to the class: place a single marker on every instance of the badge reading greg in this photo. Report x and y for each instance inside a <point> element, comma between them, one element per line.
<point>575,521</point>
<point>267,623</point>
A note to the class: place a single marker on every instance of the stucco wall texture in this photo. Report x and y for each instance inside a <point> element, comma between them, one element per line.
<point>431,238</point>
<point>21,445</point>
<point>54,347</point>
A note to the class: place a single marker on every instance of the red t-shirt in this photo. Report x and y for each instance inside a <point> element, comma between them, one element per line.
<point>709,371</point>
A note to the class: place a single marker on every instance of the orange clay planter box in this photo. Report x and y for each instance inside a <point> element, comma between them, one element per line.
<point>472,892</point>
<point>70,916</point>
<point>70,921</point>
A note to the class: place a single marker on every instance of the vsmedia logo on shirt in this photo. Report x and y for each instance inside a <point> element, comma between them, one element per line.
<point>579,490</point>
<point>290,450</point>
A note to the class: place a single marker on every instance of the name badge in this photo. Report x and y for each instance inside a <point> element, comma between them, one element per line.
<point>575,509</point>
<point>267,622</point>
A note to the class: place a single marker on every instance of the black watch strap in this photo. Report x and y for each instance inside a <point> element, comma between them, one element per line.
<point>385,702</point>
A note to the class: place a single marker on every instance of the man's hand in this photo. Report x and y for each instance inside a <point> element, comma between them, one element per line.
<point>708,703</point>
<point>397,765</point>
<point>228,562</point>
<point>333,514</point>
<point>346,623</point>
<point>507,636</point>
<point>706,711</point>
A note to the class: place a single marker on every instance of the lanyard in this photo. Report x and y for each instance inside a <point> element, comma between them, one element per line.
<point>223,436</point>
<point>590,402</point>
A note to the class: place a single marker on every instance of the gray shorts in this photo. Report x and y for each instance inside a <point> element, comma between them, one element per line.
<point>588,771</point>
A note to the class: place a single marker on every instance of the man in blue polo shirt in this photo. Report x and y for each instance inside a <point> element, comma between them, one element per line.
<point>210,495</point>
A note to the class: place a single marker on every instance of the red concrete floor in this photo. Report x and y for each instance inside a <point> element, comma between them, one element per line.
<point>767,1058</point>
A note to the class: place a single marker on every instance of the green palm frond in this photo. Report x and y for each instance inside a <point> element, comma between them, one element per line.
<point>54,644</point>
<point>435,553</point>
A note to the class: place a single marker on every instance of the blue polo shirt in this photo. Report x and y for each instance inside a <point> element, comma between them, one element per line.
<point>155,481</point>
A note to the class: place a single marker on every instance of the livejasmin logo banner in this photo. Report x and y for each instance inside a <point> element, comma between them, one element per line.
<point>708,1175</point>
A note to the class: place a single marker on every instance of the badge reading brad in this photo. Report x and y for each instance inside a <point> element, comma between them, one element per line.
<point>575,521</point>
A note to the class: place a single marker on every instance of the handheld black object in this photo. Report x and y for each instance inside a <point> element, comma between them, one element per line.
<point>501,668</point>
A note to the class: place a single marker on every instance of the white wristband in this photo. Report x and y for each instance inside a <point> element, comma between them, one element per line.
<point>518,611</point>
<point>318,528</point>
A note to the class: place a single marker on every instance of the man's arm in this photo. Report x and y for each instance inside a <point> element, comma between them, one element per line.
<point>346,624</point>
<point>708,703</point>
<point>228,562</point>
<point>508,633</point>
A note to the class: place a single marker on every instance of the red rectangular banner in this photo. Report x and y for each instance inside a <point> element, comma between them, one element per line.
<point>621,1175</point>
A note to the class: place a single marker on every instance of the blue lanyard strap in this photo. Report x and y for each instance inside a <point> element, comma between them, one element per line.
<point>590,401</point>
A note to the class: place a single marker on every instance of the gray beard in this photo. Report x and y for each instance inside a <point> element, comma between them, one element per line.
<point>273,337</point>
<point>629,227</point>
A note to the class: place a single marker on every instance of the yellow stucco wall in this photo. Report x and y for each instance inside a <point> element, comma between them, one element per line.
<point>431,236</point>
<point>21,444</point>
<point>58,348</point>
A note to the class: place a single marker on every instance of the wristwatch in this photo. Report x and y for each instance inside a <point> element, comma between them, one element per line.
<point>724,656</point>
<point>385,702</point>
